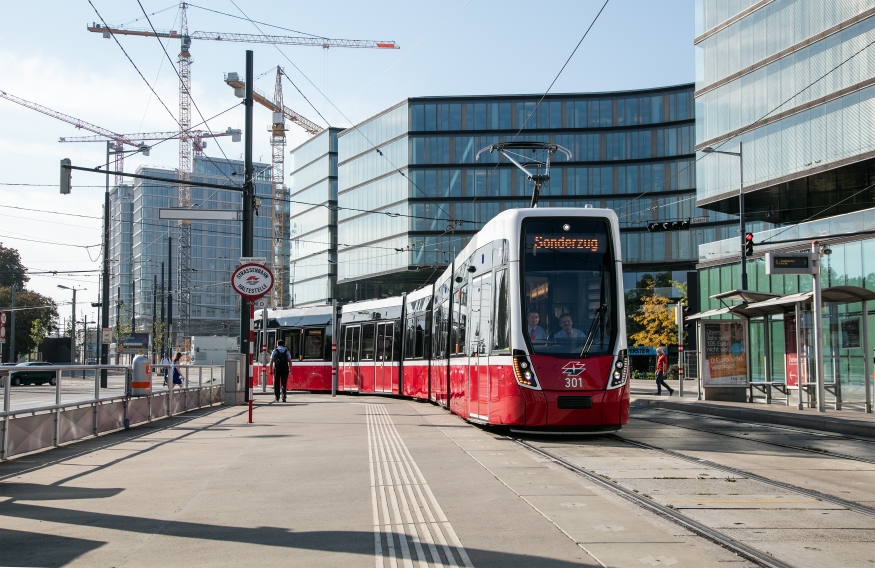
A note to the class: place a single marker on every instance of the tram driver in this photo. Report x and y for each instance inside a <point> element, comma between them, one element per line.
<point>535,331</point>
<point>567,331</point>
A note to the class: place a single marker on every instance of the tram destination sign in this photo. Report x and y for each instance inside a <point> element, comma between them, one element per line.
<point>789,263</point>
<point>252,281</point>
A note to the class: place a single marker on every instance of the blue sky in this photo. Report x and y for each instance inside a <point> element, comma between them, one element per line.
<point>455,47</point>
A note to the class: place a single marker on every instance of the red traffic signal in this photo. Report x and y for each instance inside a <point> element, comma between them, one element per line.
<point>748,244</point>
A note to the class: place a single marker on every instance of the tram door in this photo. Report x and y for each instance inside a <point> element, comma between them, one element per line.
<point>478,345</point>
<point>351,358</point>
<point>383,366</point>
<point>475,338</point>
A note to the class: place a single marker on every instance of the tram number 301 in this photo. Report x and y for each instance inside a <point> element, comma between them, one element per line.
<point>573,382</point>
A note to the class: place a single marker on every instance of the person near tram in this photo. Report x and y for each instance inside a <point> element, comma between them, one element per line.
<point>281,365</point>
<point>535,331</point>
<point>567,329</point>
<point>661,370</point>
<point>178,377</point>
<point>165,360</point>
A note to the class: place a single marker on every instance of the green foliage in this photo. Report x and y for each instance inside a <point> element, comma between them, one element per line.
<point>655,322</point>
<point>31,325</point>
<point>672,374</point>
<point>158,335</point>
<point>12,272</point>
<point>123,328</point>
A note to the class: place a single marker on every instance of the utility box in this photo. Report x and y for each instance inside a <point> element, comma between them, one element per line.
<point>139,380</point>
<point>235,383</point>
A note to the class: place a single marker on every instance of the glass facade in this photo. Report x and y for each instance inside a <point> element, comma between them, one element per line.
<point>139,246</point>
<point>313,220</point>
<point>793,81</point>
<point>411,192</point>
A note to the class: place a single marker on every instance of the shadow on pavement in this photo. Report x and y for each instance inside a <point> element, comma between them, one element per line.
<point>355,542</point>
<point>19,548</point>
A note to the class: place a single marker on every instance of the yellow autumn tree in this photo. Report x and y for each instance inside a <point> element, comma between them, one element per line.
<point>656,320</point>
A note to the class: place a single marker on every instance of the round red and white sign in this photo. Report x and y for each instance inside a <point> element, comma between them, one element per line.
<point>252,281</point>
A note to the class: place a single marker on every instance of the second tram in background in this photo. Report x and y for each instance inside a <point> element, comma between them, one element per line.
<point>525,329</point>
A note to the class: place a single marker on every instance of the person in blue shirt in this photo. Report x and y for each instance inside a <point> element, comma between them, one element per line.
<point>533,330</point>
<point>568,330</point>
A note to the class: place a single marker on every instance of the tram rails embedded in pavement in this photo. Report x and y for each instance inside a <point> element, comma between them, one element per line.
<point>526,328</point>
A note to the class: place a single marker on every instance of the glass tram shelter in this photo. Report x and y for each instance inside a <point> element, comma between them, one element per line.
<point>733,367</point>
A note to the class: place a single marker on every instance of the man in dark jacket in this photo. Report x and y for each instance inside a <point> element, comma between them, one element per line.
<point>281,364</point>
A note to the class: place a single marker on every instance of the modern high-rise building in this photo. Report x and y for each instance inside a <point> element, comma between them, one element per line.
<point>792,84</point>
<point>411,191</point>
<point>139,245</point>
<point>313,225</point>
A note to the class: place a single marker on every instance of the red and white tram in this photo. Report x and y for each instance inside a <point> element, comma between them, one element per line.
<point>525,329</point>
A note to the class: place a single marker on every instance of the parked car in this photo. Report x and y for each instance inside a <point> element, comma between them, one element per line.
<point>33,372</point>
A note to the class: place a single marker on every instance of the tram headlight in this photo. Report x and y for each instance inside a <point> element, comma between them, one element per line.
<point>621,370</point>
<point>525,374</point>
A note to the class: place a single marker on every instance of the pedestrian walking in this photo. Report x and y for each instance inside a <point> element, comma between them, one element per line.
<point>165,360</point>
<point>280,364</point>
<point>177,375</point>
<point>661,370</point>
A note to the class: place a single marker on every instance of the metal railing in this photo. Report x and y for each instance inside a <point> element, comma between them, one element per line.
<point>32,428</point>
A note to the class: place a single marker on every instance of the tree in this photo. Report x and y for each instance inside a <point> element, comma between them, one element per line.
<point>656,322</point>
<point>123,328</point>
<point>158,336</point>
<point>12,272</point>
<point>31,325</point>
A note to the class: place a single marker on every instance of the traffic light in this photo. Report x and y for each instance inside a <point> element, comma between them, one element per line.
<point>748,244</point>
<point>668,226</point>
<point>66,176</point>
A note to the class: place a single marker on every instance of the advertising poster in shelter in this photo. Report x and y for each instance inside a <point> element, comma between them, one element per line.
<point>791,358</point>
<point>725,350</point>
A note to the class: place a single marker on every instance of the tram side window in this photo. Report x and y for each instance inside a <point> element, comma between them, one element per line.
<point>501,333</point>
<point>410,339</point>
<point>292,340</point>
<point>460,320</point>
<point>368,342</point>
<point>397,333</point>
<point>314,340</point>
<point>326,345</point>
<point>441,330</point>
<point>420,337</point>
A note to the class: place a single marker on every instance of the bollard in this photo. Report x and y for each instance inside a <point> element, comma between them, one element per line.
<point>140,383</point>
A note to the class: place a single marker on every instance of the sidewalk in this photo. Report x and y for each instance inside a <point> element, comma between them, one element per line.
<point>848,422</point>
<point>321,481</point>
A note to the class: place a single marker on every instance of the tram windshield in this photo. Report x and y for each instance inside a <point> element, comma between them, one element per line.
<point>568,278</point>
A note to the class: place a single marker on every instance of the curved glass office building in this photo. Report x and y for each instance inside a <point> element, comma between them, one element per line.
<point>411,193</point>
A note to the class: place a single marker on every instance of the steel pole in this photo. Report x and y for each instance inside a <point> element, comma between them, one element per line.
<point>334,332</point>
<point>867,366</point>
<point>104,306</point>
<point>741,214</point>
<point>154,311</point>
<point>799,380</point>
<point>118,322</point>
<point>248,222</point>
<point>679,321</point>
<point>818,327</point>
<point>73,333</point>
<point>12,358</point>
<point>170,293</point>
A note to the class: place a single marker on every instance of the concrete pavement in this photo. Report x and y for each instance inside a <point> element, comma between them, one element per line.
<point>321,481</point>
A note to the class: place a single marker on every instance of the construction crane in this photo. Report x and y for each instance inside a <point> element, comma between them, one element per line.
<point>184,70</point>
<point>280,216</point>
<point>120,140</point>
<point>198,138</point>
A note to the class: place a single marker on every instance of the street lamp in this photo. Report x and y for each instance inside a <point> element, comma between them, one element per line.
<point>73,325</point>
<point>741,233</point>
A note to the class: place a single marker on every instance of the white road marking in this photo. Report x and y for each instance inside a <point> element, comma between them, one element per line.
<point>416,514</point>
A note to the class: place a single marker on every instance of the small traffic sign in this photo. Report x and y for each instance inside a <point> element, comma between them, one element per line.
<point>253,260</point>
<point>260,304</point>
<point>252,281</point>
